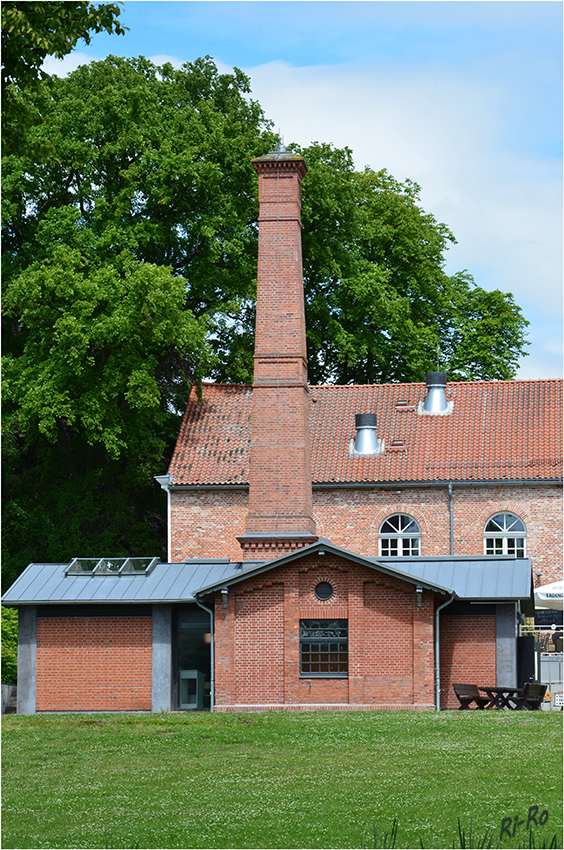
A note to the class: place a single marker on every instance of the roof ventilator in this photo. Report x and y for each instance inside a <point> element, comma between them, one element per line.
<point>435,403</point>
<point>366,442</point>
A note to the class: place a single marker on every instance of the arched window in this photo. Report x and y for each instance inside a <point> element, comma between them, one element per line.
<point>505,534</point>
<point>400,535</point>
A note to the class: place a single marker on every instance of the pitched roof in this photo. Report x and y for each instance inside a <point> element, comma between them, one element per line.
<point>469,577</point>
<point>498,430</point>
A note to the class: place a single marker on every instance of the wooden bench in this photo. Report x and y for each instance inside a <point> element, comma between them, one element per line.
<point>469,693</point>
<point>531,698</point>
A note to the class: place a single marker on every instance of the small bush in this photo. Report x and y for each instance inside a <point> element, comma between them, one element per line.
<point>9,646</point>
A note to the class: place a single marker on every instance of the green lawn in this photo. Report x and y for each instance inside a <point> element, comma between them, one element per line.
<point>278,779</point>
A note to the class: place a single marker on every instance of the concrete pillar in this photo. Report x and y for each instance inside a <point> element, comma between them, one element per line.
<point>27,659</point>
<point>161,678</point>
<point>506,645</point>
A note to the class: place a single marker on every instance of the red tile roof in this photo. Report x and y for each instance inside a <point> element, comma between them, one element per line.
<point>498,430</point>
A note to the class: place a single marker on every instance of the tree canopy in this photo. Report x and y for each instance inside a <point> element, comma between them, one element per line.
<point>129,274</point>
<point>31,31</point>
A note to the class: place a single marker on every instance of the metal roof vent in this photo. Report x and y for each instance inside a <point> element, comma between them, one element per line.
<point>435,403</point>
<point>366,442</point>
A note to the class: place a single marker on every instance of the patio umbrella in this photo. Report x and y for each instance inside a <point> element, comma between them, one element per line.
<point>549,595</point>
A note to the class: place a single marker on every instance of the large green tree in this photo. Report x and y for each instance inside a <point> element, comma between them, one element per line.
<point>129,272</point>
<point>119,251</point>
<point>30,33</point>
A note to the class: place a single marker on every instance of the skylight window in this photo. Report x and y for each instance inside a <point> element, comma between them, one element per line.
<point>110,566</point>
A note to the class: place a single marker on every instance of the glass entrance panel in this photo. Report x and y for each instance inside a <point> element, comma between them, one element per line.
<point>193,659</point>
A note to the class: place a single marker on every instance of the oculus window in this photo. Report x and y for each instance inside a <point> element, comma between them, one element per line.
<point>505,534</point>
<point>324,648</point>
<point>400,536</point>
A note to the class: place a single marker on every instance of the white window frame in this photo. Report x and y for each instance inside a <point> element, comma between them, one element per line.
<point>408,541</point>
<point>506,540</point>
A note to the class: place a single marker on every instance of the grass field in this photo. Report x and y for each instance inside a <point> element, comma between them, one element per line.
<point>279,779</point>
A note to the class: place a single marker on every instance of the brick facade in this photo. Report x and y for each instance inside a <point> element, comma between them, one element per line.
<point>468,653</point>
<point>390,641</point>
<point>280,479</point>
<point>94,664</point>
<point>205,522</point>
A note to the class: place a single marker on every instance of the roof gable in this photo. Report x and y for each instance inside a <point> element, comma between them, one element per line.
<point>498,430</point>
<point>475,578</point>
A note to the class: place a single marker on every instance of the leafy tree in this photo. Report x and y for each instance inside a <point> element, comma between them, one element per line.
<point>9,645</point>
<point>31,32</point>
<point>129,272</point>
<point>118,253</point>
<point>378,302</point>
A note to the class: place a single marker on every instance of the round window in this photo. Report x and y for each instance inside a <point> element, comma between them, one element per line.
<point>324,590</point>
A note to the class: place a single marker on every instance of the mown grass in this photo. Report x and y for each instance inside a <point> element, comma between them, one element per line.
<point>276,780</point>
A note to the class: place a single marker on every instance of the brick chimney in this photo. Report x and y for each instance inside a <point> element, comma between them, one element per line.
<point>280,500</point>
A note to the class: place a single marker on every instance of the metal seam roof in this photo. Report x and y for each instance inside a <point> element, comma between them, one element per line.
<point>493,578</point>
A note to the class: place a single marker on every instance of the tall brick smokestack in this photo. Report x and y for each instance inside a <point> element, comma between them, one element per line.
<point>280,500</point>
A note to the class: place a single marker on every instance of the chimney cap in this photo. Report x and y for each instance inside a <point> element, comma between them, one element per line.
<point>274,157</point>
<point>365,420</point>
<point>436,379</point>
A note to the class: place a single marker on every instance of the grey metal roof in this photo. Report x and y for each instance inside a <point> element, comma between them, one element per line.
<point>472,578</point>
<point>475,577</point>
<point>47,584</point>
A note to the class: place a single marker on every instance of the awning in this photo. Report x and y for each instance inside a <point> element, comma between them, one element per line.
<point>549,596</point>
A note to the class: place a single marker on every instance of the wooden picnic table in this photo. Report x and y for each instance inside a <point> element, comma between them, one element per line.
<point>501,697</point>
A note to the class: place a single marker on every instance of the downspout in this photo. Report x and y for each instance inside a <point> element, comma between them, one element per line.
<point>437,651</point>
<point>451,517</point>
<point>212,652</point>
<point>165,481</point>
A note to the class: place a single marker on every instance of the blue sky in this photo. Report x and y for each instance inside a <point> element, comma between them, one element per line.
<point>463,97</point>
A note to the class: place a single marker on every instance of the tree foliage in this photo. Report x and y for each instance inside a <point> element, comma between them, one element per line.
<point>118,253</point>
<point>31,32</point>
<point>129,273</point>
<point>9,646</point>
<point>379,303</point>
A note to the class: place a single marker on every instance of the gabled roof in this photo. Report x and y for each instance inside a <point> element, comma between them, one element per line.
<point>479,578</point>
<point>498,431</point>
<point>470,578</point>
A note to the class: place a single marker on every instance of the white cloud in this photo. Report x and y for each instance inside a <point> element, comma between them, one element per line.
<point>62,67</point>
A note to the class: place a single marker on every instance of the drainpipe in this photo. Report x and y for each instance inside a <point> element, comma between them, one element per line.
<point>437,657</point>
<point>451,517</point>
<point>165,481</point>
<point>212,652</point>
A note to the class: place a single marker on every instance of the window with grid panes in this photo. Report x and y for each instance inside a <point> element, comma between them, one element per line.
<point>324,649</point>
<point>505,534</point>
<point>400,536</point>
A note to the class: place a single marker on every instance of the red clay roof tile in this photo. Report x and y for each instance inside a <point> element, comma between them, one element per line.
<point>498,430</point>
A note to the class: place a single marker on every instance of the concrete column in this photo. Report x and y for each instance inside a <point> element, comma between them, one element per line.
<point>161,678</point>
<point>506,645</point>
<point>27,659</point>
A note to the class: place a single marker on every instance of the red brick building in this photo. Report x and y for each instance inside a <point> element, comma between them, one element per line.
<point>352,547</point>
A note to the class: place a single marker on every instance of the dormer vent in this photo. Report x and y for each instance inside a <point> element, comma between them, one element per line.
<point>366,443</point>
<point>435,403</point>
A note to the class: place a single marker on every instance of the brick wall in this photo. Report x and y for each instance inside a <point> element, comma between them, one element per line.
<point>94,664</point>
<point>468,653</point>
<point>390,639</point>
<point>205,523</point>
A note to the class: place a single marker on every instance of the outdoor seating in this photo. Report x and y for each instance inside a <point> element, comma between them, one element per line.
<point>468,694</point>
<point>532,697</point>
